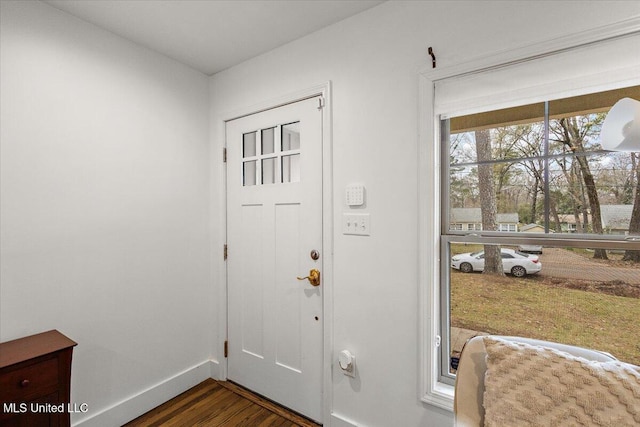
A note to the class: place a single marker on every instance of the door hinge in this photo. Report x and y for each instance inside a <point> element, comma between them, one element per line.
<point>224,155</point>
<point>320,103</point>
<point>226,349</point>
<point>225,252</point>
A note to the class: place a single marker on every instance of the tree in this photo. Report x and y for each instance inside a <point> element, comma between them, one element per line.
<point>506,141</point>
<point>463,191</point>
<point>575,187</point>
<point>573,134</point>
<point>531,150</point>
<point>492,257</point>
<point>616,178</point>
<point>634,225</point>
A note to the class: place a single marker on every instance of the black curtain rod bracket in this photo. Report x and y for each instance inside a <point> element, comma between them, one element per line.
<point>433,57</point>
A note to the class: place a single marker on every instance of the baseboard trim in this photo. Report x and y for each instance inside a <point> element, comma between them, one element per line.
<point>340,421</point>
<point>134,406</point>
<point>215,370</point>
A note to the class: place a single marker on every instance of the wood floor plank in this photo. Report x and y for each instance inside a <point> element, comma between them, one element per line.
<point>210,412</point>
<point>163,414</point>
<point>220,404</point>
<point>298,420</point>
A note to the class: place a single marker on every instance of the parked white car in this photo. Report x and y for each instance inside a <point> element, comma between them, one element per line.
<point>515,262</point>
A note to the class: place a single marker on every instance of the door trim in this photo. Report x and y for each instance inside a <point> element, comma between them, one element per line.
<point>323,90</point>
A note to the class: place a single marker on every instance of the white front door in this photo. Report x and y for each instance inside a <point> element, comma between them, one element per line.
<point>274,236</point>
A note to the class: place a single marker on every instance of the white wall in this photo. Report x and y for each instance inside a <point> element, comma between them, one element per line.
<point>104,202</point>
<point>373,60</point>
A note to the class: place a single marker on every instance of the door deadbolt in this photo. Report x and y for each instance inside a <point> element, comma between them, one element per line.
<point>315,255</point>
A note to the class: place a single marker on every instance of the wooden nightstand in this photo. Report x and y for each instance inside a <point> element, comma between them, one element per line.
<point>35,380</point>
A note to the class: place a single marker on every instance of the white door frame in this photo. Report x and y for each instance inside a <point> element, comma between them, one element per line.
<point>323,90</point>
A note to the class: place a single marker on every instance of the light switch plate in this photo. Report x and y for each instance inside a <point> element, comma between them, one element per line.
<point>356,224</point>
<point>355,195</point>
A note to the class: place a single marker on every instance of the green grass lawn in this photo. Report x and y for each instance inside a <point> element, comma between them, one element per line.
<point>530,308</point>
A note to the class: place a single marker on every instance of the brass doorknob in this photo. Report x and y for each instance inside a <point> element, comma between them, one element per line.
<point>313,277</point>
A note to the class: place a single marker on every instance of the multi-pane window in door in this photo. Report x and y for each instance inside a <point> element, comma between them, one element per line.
<point>271,155</point>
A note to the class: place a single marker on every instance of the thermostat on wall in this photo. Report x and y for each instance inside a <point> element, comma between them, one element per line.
<point>355,195</point>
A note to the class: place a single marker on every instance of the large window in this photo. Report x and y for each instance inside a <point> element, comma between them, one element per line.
<point>537,228</point>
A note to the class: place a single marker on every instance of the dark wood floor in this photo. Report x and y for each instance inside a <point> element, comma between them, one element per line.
<point>212,403</point>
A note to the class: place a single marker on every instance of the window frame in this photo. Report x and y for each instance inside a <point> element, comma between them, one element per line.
<point>431,264</point>
<point>505,234</point>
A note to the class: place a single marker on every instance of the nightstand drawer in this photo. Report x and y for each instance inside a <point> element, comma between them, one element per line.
<point>35,370</point>
<point>29,382</point>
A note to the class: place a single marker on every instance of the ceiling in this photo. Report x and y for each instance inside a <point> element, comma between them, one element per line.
<point>212,35</point>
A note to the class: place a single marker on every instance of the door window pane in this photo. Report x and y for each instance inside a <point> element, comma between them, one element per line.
<point>273,156</point>
<point>249,144</point>
<point>291,168</point>
<point>269,170</point>
<point>249,173</point>
<point>291,136</point>
<point>268,146</point>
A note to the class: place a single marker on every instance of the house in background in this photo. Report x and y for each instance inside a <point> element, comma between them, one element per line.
<point>470,219</point>
<point>616,218</point>
<point>112,173</point>
<point>568,223</point>
<point>532,228</point>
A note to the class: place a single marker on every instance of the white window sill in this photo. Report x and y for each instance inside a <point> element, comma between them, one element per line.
<point>440,395</point>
